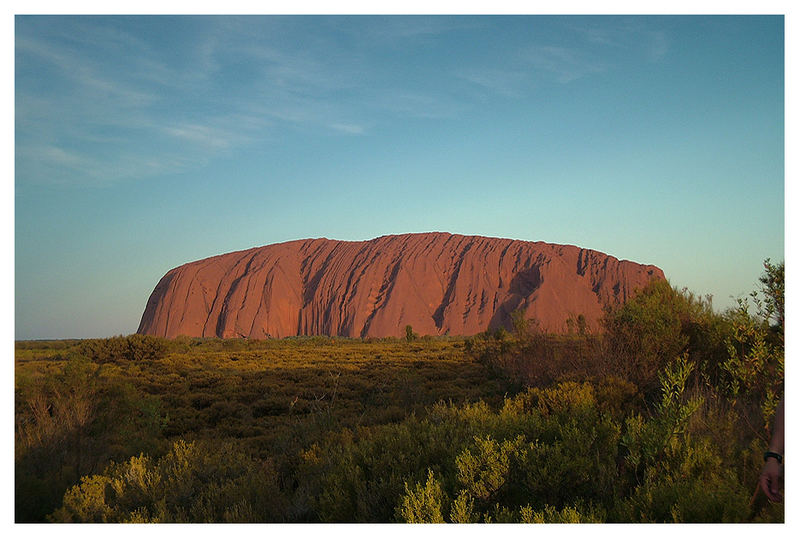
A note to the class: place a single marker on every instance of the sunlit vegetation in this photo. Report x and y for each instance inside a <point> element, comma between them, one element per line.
<point>660,417</point>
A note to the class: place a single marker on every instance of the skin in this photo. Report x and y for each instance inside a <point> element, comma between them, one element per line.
<point>771,472</point>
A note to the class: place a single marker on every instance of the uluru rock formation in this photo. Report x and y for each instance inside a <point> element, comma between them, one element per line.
<point>438,283</point>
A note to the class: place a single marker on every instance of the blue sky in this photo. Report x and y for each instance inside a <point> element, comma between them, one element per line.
<point>142,143</point>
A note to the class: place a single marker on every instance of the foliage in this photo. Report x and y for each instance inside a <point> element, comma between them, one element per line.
<point>567,515</point>
<point>549,455</point>
<point>640,338</point>
<point>483,464</point>
<point>410,335</point>
<point>192,483</point>
<point>423,503</point>
<point>483,473</point>
<point>270,398</point>
<point>679,476</point>
<point>71,421</point>
<point>652,329</point>
<point>131,348</point>
<point>773,291</point>
<point>754,370</point>
<point>577,324</point>
<point>661,417</point>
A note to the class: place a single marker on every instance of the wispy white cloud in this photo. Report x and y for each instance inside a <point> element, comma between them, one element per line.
<point>203,135</point>
<point>506,82</point>
<point>562,63</point>
<point>100,124</point>
<point>48,164</point>
<point>60,157</point>
<point>626,35</point>
<point>410,31</point>
<point>113,91</point>
<point>295,71</point>
<point>586,47</point>
<point>83,75</point>
<point>605,32</point>
<point>116,96</point>
<point>658,46</point>
<point>350,129</point>
<point>400,102</point>
<point>516,76</point>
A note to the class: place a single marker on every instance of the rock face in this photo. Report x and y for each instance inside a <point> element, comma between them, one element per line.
<point>438,283</point>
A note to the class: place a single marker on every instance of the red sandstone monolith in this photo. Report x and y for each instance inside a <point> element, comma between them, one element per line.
<point>436,282</point>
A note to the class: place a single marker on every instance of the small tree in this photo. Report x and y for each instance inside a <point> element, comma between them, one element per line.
<point>410,335</point>
<point>519,323</point>
<point>644,334</point>
<point>773,289</point>
<point>754,369</point>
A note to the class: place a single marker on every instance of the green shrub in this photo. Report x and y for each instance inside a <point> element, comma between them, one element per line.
<point>645,333</point>
<point>192,483</point>
<point>410,335</point>
<point>577,514</point>
<point>688,485</point>
<point>423,503</point>
<point>462,509</point>
<point>134,347</point>
<point>754,369</point>
<point>483,469</point>
<point>546,446</point>
<point>71,422</point>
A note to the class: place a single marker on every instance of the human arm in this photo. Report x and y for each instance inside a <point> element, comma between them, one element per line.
<point>770,473</point>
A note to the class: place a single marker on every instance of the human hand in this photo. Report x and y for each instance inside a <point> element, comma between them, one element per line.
<point>770,479</point>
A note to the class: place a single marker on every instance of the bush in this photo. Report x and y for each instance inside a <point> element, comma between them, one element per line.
<point>543,447</point>
<point>639,338</point>
<point>556,454</point>
<point>72,422</point>
<point>131,348</point>
<point>410,335</point>
<point>645,333</point>
<point>423,503</point>
<point>194,482</point>
<point>484,472</point>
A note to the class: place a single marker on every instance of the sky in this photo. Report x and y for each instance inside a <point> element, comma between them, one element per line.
<point>142,143</point>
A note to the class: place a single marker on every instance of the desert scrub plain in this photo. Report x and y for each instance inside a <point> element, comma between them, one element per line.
<point>661,416</point>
